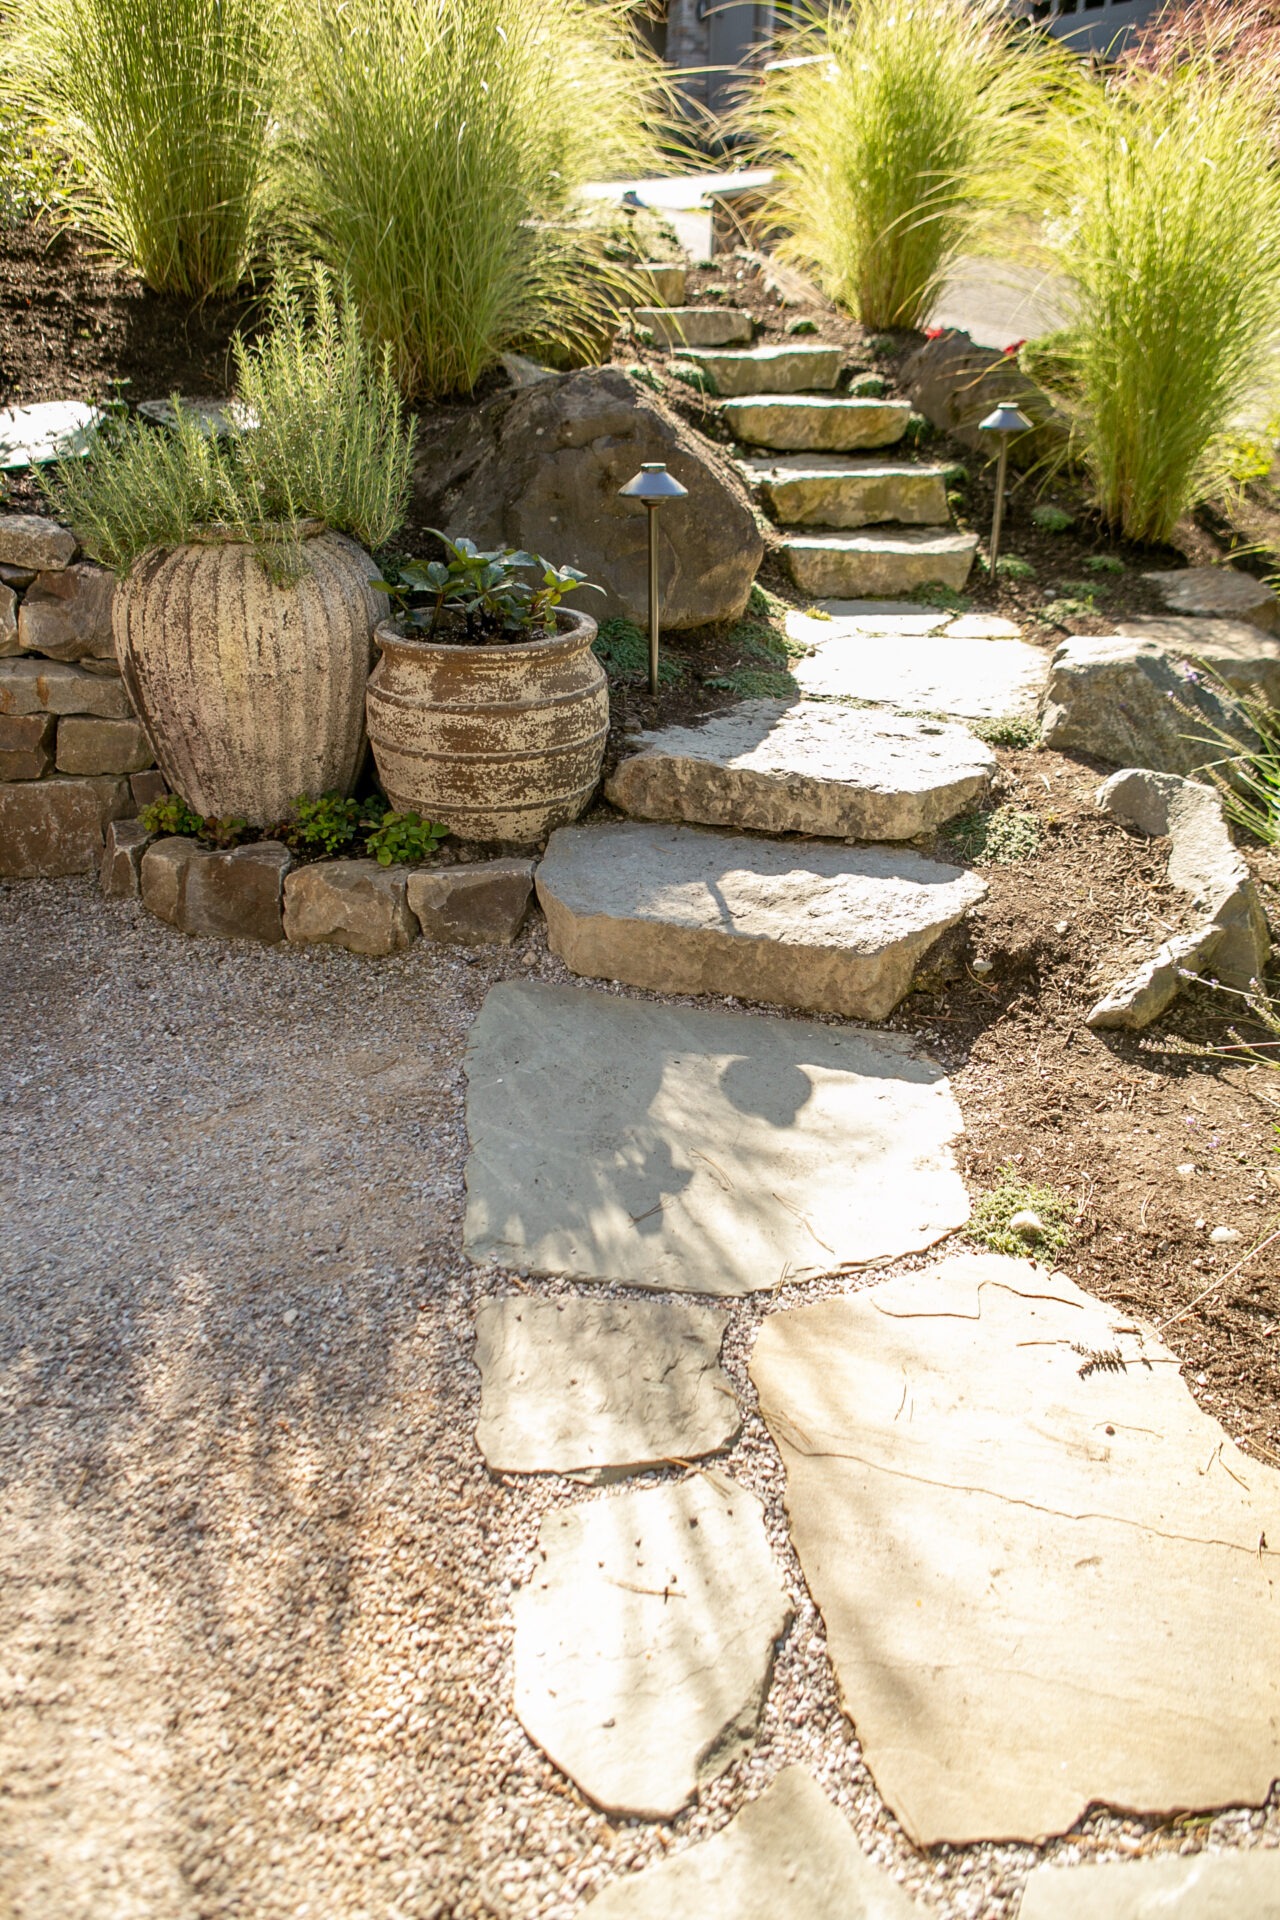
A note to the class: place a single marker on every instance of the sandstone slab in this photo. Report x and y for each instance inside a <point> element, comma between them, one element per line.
<point>768,369</point>
<point>790,424</point>
<point>720,1153</point>
<point>162,876</point>
<point>8,623</point>
<point>27,746</point>
<point>1218,593</point>
<point>56,826</point>
<point>696,326</point>
<point>1044,1573</point>
<point>644,1640</point>
<point>814,767</point>
<point>882,560</point>
<point>354,904</point>
<point>475,906</point>
<point>120,875</point>
<point>822,490</point>
<point>674,909</point>
<point>29,540</point>
<point>1134,1002</point>
<point>50,430</point>
<point>921,671</point>
<point>1205,1886</point>
<point>49,686</point>
<point>583,1386</point>
<point>238,895</point>
<point>787,1856</point>
<point>90,745</point>
<point>66,614</point>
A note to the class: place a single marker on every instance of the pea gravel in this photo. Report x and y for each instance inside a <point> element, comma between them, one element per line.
<point>255,1640</point>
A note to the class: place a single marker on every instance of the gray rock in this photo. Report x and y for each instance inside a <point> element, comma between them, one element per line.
<point>1037,1595</point>
<point>354,904</point>
<point>48,686</point>
<point>475,906</point>
<point>956,384</point>
<point>238,895</point>
<point>1204,1886</point>
<point>696,326</point>
<point>120,875</point>
<point>827,491</point>
<point>554,457</point>
<point>66,615</point>
<point>813,767</point>
<point>162,879</point>
<point>8,622</point>
<point>1218,593</point>
<point>87,745</point>
<point>880,560</point>
<point>768,369</point>
<point>904,661</point>
<point>798,425</point>
<point>49,430</point>
<point>828,929</point>
<point>644,1640</point>
<point>27,746</point>
<point>1144,995</point>
<point>53,827</point>
<point>577,1386</point>
<point>16,577</point>
<point>787,1856</point>
<point>29,540</point>
<point>720,1153</point>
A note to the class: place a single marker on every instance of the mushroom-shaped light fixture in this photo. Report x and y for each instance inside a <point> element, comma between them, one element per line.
<point>1007,423</point>
<point>653,484</point>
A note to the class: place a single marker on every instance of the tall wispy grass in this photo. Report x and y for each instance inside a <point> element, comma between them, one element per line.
<point>1168,237</point>
<point>163,108</point>
<point>901,129</point>
<point>438,147</point>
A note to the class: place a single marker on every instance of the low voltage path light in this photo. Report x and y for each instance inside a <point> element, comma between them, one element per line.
<point>1008,423</point>
<point>653,484</point>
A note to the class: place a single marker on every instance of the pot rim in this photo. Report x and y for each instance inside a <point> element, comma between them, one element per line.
<point>217,534</point>
<point>572,624</point>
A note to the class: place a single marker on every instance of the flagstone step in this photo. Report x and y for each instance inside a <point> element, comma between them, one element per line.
<point>917,661</point>
<point>823,490</point>
<point>811,767</point>
<point>790,423</point>
<point>676,909</point>
<point>887,561</point>
<point>768,369</point>
<point>697,326</point>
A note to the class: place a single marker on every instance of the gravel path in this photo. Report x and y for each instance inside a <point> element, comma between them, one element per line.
<point>254,1631</point>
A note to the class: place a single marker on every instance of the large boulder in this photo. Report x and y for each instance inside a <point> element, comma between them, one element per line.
<point>956,384</point>
<point>544,474</point>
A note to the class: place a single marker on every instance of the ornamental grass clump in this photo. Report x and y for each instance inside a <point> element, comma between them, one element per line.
<point>162,112</point>
<point>900,130</point>
<point>438,145</point>
<point>1168,236</point>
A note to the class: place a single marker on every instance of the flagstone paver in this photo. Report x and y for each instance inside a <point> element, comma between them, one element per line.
<point>50,430</point>
<point>1205,1886</point>
<point>787,1856</point>
<point>644,1640</point>
<point>879,559</point>
<point>573,1386</point>
<point>698,1150</point>
<point>1044,1572</point>
<point>923,671</point>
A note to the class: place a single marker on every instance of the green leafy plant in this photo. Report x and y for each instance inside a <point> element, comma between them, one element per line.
<point>170,814</point>
<point>752,683</point>
<point>1051,519</point>
<point>1007,730</point>
<point>997,839</point>
<point>945,599</point>
<point>402,837</point>
<point>1103,563</point>
<point>690,375</point>
<point>622,648</point>
<point>328,825</point>
<point>989,1225</point>
<point>955,475</point>
<point>1011,566</point>
<point>499,594</point>
<point>918,431</point>
<point>1056,613</point>
<point>802,326</point>
<point>868,386</point>
<point>646,376</point>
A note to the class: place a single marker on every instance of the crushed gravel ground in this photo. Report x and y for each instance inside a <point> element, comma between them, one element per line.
<point>255,1644</point>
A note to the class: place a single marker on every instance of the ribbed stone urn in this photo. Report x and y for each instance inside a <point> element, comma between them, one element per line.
<point>251,688</point>
<point>495,742</point>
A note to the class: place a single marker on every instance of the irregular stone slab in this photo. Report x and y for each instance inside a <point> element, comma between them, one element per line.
<point>1141,998</point>
<point>237,895</point>
<point>163,876</point>
<point>827,929</point>
<point>354,904</point>
<point>147,787</point>
<point>825,491</point>
<point>881,561</point>
<point>787,1856</point>
<point>66,615</point>
<point>768,369</point>
<point>644,1641</point>
<point>1203,862</point>
<point>575,1386</point>
<point>983,626</point>
<point>477,906</point>
<point>48,686</point>
<point>120,875</point>
<point>721,1153</point>
<point>1134,697</point>
<point>696,326</point>
<point>1204,1886</point>
<point>8,623</point>
<point>1218,592</point>
<point>216,419</point>
<point>818,425</point>
<point>1040,1565</point>
<point>16,577</point>
<point>26,746</point>
<point>663,280</point>
<point>812,767</point>
<point>102,746</point>
<point>885,617</point>
<point>29,540</point>
<point>920,672</point>
<point>53,827</point>
<point>50,430</point>
<point>956,384</point>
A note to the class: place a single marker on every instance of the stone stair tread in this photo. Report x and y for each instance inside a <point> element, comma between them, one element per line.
<point>923,670</point>
<point>697,326</point>
<point>738,372</point>
<point>883,560</point>
<point>810,767</point>
<point>808,924</point>
<point>759,467</point>
<point>828,490</point>
<point>794,423</point>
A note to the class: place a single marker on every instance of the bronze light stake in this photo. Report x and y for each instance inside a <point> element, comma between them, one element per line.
<point>653,484</point>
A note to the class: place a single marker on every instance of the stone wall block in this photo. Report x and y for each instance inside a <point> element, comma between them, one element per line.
<point>57,826</point>
<point>477,906</point>
<point>8,622</point>
<point>163,876</point>
<point>29,540</point>
<point>26,745</point>
<point>147,787</point>
<point>120,875</point>
<point>238,895</point>
<point>88,745</point>
<point>53,686</point>
<point>66,615</point>
<point>354,904</point>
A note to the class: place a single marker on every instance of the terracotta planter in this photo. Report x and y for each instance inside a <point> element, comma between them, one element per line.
<point>251,692</point>
<point>498,743</point>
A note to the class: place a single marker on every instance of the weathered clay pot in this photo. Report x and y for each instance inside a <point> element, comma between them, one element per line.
<point>252,691</point>
<point>497,743</point>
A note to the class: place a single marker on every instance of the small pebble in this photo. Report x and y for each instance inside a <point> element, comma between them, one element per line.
<point>983,967</point>
<point>1187,1171</point>
<point>1225,1236</point>
<point>1028,1225</point>
<point>291,1314</point>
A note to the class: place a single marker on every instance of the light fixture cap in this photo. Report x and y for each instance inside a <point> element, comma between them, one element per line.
<point>1006,419</point>
<point>653,483</point>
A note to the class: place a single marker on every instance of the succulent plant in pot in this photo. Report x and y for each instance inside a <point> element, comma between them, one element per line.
<point>245,605</point>
<point>488,709</point>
